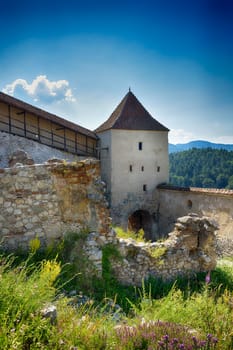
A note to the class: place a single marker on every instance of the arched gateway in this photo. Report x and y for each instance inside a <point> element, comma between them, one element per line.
<point>142,219</point>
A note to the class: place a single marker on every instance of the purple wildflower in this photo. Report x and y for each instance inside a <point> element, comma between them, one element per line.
<point>161,344</point>
<point>207,278</point>
<point>174,341</point>
<point>166,338</point>
<point>194,340</point>
<point>202,343</point>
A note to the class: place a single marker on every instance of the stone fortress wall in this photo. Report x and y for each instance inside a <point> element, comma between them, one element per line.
<point>40,153</point>
<point>57,197</point>
<point>215,203</point>
<point>52,199</point>
<point>47,200</point>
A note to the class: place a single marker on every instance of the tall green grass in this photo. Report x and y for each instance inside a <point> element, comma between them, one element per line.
<point>24,291</point>
<point>191,313</point>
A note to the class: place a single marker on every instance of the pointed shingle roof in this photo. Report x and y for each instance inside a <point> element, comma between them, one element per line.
<point>131,115</point>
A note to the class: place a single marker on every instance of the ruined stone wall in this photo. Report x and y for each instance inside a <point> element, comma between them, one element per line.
<point>48,200</point>
<point>190,248</point>
<point>52,199</point>
<point>176,202</point>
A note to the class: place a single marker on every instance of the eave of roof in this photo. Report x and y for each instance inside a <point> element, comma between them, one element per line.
<point>46,115</point>
<point>131,115</point>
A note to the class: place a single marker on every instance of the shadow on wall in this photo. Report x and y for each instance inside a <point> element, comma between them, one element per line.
<point>142,219</point>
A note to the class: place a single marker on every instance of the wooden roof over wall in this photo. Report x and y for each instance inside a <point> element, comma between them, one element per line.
<point>12,101</point>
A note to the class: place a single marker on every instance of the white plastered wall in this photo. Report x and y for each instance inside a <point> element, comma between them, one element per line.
<point>123,152</point>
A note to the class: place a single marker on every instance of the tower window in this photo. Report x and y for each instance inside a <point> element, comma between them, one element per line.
<point>140,146</point>
<point>142,168</point>
<point>158,169</point>
<point>131,168</point>
<point>144,188</point>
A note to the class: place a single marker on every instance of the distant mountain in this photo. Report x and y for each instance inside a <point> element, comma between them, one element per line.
<point>198,144</point>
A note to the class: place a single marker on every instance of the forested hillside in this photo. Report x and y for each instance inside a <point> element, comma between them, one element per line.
<point>202,168</point>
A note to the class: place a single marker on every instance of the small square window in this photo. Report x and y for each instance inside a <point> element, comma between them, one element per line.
<point>142,168</point>
<point>158,169</point>
<point>144,188</point>
<point>140,146</point>
<point>130,168</point>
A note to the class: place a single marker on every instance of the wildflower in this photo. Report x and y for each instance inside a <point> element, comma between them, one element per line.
<point>207,278</point>
<point>194,340</point>
<point>202,343</point>
<point>161,344</point>
<point>174,341</point>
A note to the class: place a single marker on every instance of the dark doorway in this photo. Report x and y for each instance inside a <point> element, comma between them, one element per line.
<point>141,219</point>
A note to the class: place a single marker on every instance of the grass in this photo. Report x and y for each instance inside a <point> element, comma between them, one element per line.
<point>191,313</point>
<point>137,236</point>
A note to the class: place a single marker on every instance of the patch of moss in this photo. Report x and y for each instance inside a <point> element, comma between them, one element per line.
<point>157,252</point>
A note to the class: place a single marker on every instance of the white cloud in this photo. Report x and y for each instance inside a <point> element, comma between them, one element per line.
<point>42,89</point>
<point>222,139</point>
<point>181,136</point>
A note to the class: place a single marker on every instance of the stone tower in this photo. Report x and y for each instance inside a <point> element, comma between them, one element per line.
<point>134,160</point>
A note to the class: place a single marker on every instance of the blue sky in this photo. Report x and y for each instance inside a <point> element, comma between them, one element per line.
<point>77,59</point>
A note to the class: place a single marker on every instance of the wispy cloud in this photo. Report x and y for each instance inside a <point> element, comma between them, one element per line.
<point>222,139</point>
<point>180,136</point>
<point>41,89</point>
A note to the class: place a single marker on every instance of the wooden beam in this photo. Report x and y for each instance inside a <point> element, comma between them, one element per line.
<point>9,116</point>
<point>38,128</point>
<point>65,139</point>
<point>24,124</point>
<point>61,128</point>
<point>76,142</point>
<point>51,124</point>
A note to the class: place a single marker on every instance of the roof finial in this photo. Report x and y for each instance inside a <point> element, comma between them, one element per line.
<point>129,89</point>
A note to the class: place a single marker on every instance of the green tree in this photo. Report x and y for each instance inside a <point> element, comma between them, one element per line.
<point>230,182</point>
<point>221,181</point>
<point>202,168</point>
